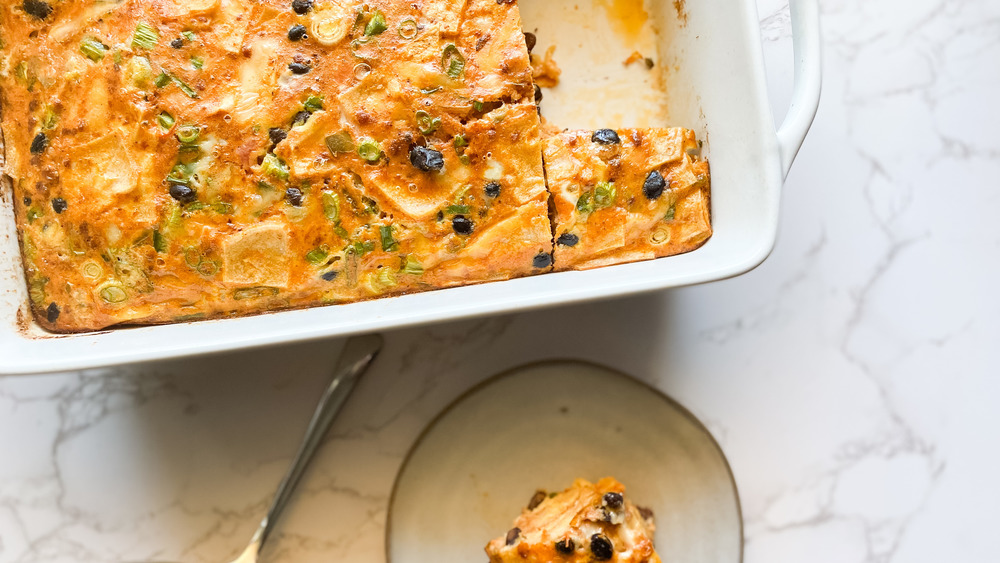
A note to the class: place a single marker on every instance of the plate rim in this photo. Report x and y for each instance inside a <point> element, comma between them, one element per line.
<point>509,372</point>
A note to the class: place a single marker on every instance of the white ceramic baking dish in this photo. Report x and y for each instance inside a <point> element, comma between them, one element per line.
<point>708,55</point>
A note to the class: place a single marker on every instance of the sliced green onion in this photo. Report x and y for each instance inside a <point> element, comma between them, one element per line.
<point>274,167</point>
<point>460,143</point>
<point>198,62</point>
<point>317,256</point>
<point>37,290</point>
<point>93,49</point>
<point>604,194</point>
<point>376,25</point>
<point>339,143</point>
<point>192,257</point>
<point>584,204</point>
<point>369,150</point>
<point>188,134</point>
<point>412,266</point>
<point>162,80</point>
<point>254,292</point>
<point>33,213</point>
<point>670,213</point>
<point>189,35</point>
<point>113,292</point>
<point>50,119</point>
<point>222,208</point>
<point>360,248</point>
<point>160,242</point>
<point>173,219</point>
<point>94,271</point>
<point>457,210</point>
<point>389,244</point>
<point>331,206</point>
<point>452,61</point>
<point>385,279</point>
<point>146,36</point>
<point>166,120</point>
<point>426,123</point>
<point>464,159</point>
<point>428,91</point>
<point>341,231</point>
<point>407,28</point>
<point>140,72</point>
<point>477,105</point>
<point>189,91</point>
<point>180,174</point>
<point>313,103</point>
<point>208,268</point>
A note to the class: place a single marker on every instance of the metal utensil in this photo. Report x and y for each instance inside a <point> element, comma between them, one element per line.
<point>358,353</point>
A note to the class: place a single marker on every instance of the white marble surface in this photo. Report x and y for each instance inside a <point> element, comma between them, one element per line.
<point>852,379</point>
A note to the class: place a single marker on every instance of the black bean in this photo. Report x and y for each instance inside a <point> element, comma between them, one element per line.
<point>567,239</point>
<point>37,8</point>
<point>537,499</point>
<point>52,312</point>
<point>605,137</point>
<point>299,68</point>
<point>613,500</point>
<point>301,118</point>
<point>646,513</point>
<point>297,32</point>
<point>330,276</point>
<point>39,144</point>
<point>302,7</point>
<point>492,189</point>
<point>182,193</point>
<point>654,185</point>
<point>177,43</point>
<point>26,200</point>
<point>565,546</point>
<point>294,196</point>
<point>59,205</point>
<point>461,225</point>
<point>277,134</point>
<point>601,547</point>
<point>512,535</point>
<point>426,159</point>
<point>538,94</point>
<point>542,260</point>
<point>530,40</point>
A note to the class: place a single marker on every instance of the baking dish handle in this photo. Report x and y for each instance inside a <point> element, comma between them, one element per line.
<point>807,46</point>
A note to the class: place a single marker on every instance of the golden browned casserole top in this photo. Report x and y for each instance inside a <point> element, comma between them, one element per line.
<point>178,159</point>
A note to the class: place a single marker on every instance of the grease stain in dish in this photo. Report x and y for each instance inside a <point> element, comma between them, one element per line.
<point>627,17</point>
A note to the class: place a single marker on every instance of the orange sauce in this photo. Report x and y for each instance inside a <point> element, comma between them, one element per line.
<point>627,17</point>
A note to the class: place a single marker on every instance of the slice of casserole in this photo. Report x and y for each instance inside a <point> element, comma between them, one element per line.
<point>182,159</point>
<point>587,522</point>
<point>626,195</point>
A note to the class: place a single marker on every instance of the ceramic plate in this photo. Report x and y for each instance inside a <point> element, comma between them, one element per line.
<point>539,427</point>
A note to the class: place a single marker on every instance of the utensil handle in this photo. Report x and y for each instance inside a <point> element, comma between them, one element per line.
<point>807,46</point>
<point>358,353</point>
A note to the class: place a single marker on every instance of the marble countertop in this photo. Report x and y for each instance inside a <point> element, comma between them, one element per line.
<point>852,379</point>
